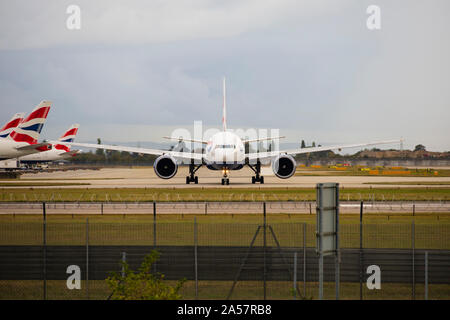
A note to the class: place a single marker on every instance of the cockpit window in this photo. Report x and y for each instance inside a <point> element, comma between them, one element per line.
<point>225,146</point>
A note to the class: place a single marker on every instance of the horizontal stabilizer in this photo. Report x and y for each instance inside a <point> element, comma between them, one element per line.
<point>44,146</point>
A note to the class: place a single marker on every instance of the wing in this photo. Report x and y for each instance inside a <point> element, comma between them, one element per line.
<point>262,155</point>
<point>187,140</point>
<point>262,139</point>
<point>156,152</point>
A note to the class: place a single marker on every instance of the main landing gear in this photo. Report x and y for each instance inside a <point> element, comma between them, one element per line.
<point>225,179</point>
<point>257,170</point>
<point>192,170</point>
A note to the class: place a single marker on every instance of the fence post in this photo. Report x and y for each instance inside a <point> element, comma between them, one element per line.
<point>195,258</point>
<point>124,259</point>
<point>154,232</point>
<point>154,225</point>
<point>413,232</point>
<point>426,275</point>
<point>87,258</point>
<point>304,259</point>
<point>44,234</point>
<point>361,271</point>
<point>264,251</point>
<point>295,275</point>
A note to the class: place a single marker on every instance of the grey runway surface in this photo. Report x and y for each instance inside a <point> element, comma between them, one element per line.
<point>145,177</point>
<point>289,207</point>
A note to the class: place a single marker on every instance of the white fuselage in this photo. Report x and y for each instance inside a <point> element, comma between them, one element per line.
<point>45,156</point>
<point>225,150</point>
<point>8,149</point>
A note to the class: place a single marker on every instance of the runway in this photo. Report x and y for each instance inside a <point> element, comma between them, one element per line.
<point>145,177</point>
<point>287,207</point>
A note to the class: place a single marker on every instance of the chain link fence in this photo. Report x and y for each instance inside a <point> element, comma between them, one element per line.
<point>225,260</point>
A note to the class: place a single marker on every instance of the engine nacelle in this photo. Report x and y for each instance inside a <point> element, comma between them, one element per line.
<point>284,166</point>
<point>165,167</point>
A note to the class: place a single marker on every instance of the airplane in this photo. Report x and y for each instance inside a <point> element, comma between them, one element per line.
<point>23,139</point>
<point>59,151</point>
<point>225,151</point>
<point>11,124</point>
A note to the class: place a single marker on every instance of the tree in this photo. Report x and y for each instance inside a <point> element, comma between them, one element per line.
<point>99,152</point>
<point>142,285</point>
<point>303,145</point>
<point>313,144</point>
<point>419,147</point>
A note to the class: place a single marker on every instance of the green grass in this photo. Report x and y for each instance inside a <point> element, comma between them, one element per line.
<point>221,230</point>
<point>208,290</point>
<point>41,184</point>
<point>355,171</point>
<point>218,194</point>
<point>412,183</point>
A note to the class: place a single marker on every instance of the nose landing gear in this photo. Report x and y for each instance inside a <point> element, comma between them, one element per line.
<point>225,179</point>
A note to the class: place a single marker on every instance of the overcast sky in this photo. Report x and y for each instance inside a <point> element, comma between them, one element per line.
<point>136,70</point>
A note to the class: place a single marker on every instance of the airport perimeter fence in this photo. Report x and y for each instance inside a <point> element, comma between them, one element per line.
<point>218,207</point>
<point>225,260</point>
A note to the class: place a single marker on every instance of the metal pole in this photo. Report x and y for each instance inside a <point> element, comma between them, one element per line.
<point>264,252</point>
<point>361,251</point>
<point>338,255</point>
<point>426,275</point>
<point>45,249</point>
<point>295,275</point>
<point>195,258</point>
<point>413,261</point>
<point>124,259</point>
<point>154,233</point>
<point>304,259</point>
<point>87,258</point>
<point>154,224</point>
<point>319,224</point>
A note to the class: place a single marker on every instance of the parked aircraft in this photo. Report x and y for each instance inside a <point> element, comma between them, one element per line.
<point>23,139</point>
<point>59,151</point>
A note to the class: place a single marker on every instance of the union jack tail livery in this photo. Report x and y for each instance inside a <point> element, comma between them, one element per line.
<point>30,128</point>
<point>13,123</point>
<point>68,136</point>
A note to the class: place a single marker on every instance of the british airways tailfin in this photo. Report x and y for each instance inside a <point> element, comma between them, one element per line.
<point>68,136</point>
<point>30,128</point>
<point>11,124</point>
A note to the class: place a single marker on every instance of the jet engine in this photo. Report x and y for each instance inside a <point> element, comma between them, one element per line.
<point>284,166</point>
<point>165,167</point>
